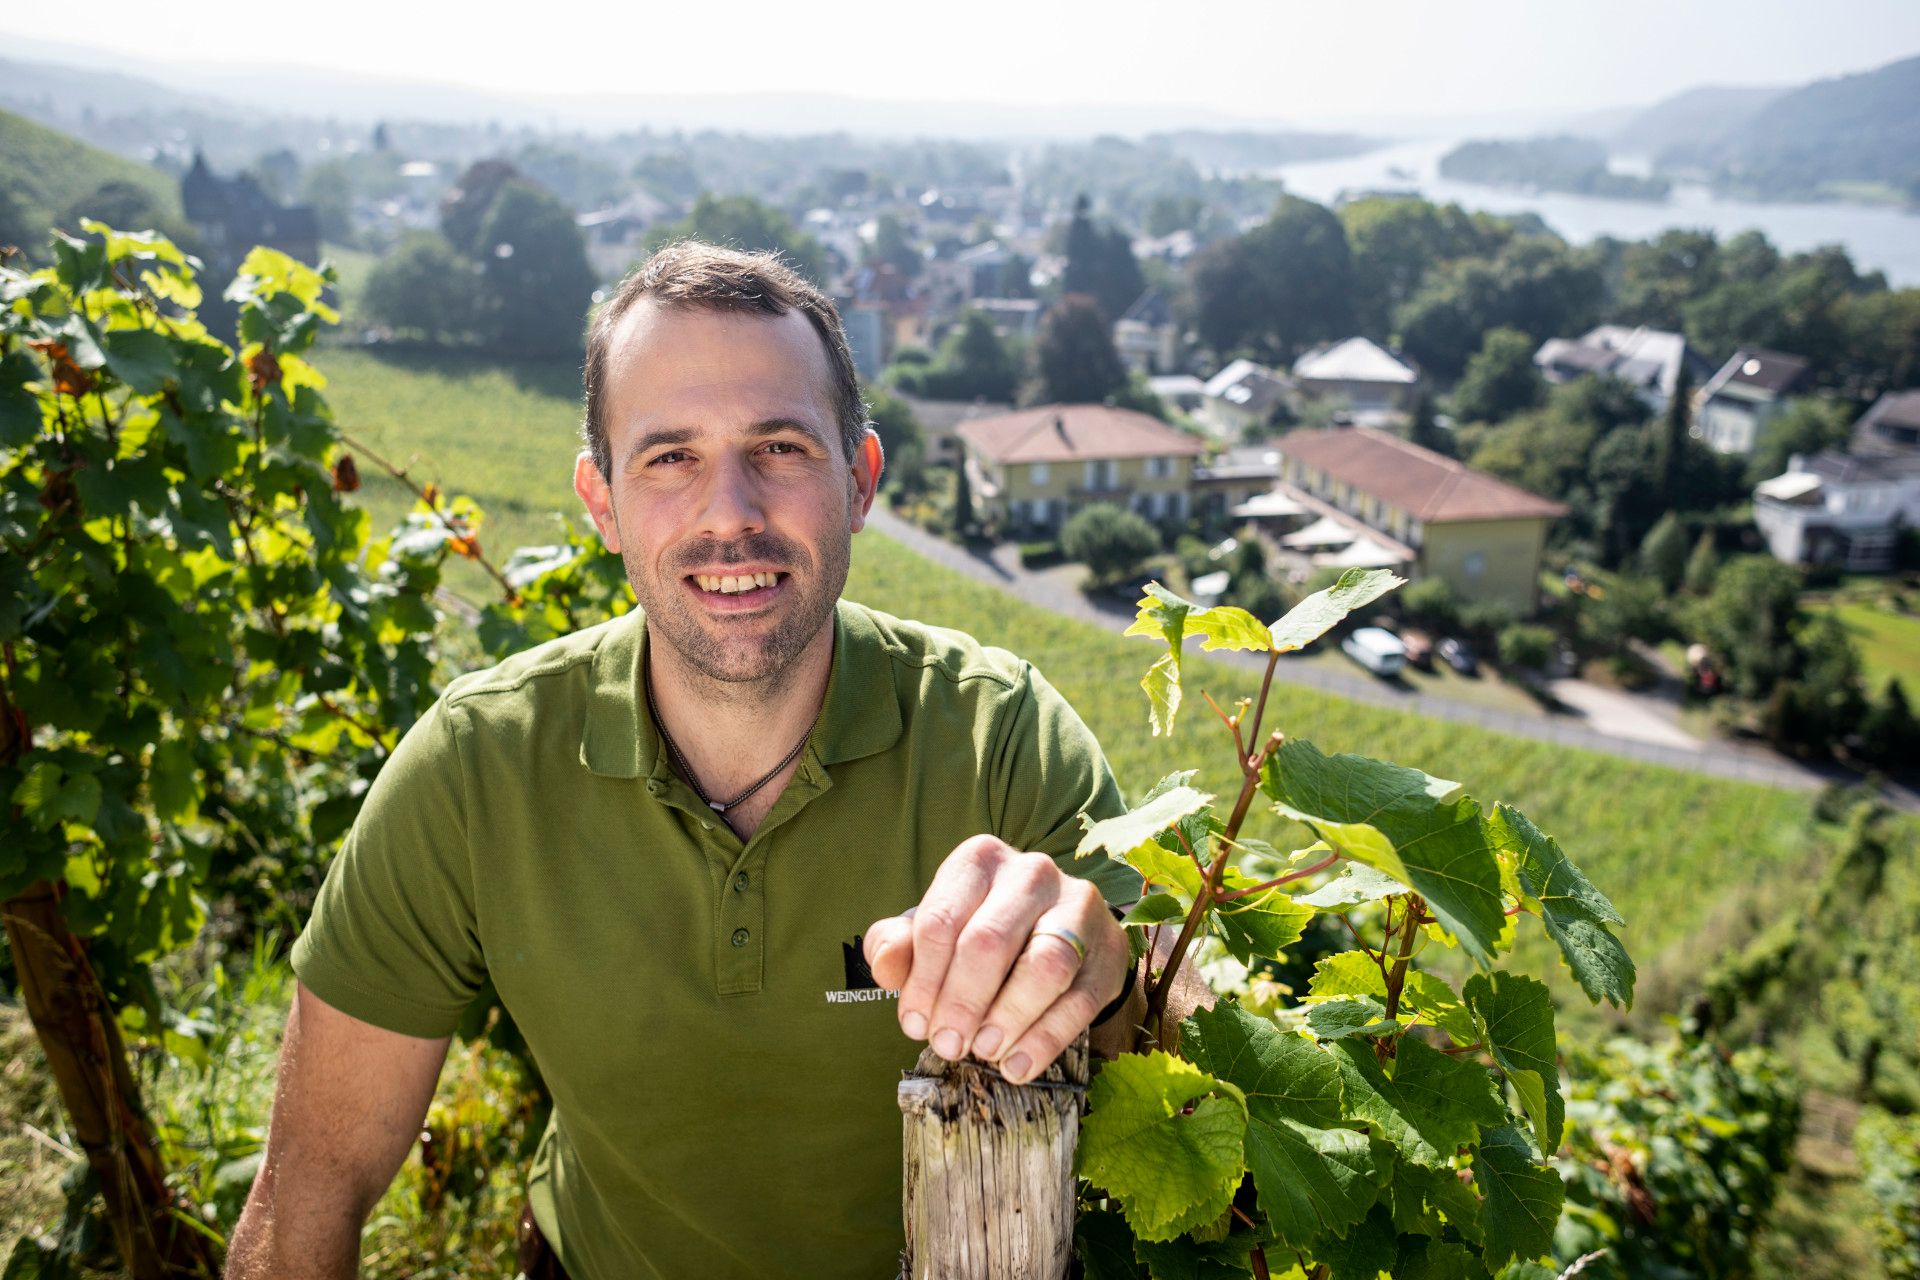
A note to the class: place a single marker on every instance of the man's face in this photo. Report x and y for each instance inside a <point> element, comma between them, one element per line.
<point>731,500</point>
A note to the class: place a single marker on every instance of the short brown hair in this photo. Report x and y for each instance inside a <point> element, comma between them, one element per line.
<point>693,274</point>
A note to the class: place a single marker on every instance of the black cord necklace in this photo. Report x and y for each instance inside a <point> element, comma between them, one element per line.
<point>686,770</point>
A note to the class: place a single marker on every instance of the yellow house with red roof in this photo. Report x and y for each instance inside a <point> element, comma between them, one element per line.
<point>1030,470</point>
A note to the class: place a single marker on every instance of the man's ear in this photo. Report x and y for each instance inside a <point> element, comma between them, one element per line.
<point>598,498</point>
<point>869,461</point>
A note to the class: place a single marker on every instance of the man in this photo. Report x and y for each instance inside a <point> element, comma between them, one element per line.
<point>665,841</point>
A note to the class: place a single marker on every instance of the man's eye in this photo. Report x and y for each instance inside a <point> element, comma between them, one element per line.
<point>783,446</point>
<point>671,455</point>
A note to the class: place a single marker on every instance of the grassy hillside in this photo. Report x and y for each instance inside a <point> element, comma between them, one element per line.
<point>44,174</point>
<point>1698,865</point>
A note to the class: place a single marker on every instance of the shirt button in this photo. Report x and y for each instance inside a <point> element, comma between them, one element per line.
<point>739,937</point>
<point>740,882</point>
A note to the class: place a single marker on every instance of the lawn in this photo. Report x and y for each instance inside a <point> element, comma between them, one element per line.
<point>1889,645</point>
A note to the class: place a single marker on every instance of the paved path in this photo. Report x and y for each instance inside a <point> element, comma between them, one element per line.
<point>1057,589</point>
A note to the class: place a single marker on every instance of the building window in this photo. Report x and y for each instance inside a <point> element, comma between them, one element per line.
<point>1037,474</point>
<point>1159,468</point>
<point>1476,564</point>
<point>1102,474</point>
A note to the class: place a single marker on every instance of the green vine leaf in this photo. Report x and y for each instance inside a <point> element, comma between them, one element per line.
<point>1167,1139</point>
<point>1351,973</point>
<point>1317,614</point>
<point>1418,829</point>
<point>1522,1198</point>
<point>1576,914</point>
<point>1118,837</point>
<point>1428,1109</point>
<point>1263,924</point>
<point>1190,1259</point>
<point>1356,884</point>
<point>1515,1015</point>
<point>1314,1177</point>
<point>1347,1016</point>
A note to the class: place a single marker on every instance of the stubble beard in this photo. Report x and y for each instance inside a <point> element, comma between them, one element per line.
<point>741,667</point>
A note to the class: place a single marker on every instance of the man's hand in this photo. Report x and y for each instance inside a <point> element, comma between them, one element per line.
<point>978,970</point>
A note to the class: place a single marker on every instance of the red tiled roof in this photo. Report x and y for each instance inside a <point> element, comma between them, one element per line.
<point>1428,486</point>
<point>1073,433</point>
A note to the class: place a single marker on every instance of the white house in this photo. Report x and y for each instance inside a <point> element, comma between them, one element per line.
<point>1844,509</point>
<point>1749,391</point>
<point>1241,395</point>
<point>1649,360</point>
<point>1358,374</point>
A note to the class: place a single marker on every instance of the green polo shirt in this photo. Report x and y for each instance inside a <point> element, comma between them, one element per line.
<point>722,1067</point>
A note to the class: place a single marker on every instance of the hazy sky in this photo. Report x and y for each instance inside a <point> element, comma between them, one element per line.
<point>1279,59</point>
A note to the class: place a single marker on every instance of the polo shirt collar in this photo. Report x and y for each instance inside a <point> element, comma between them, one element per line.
<point>861,715</point>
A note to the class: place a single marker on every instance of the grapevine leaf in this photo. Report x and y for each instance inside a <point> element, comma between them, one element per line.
<point>1225,627</point>
<point>1155,908</point>
<point>1105,1246</point>
<point>1172,1168</point>
<point>1161,613</point>
<point>1277,1070</point>
<point>1162,683</point>
<point>141,358</point>
<point>1178,778</point>
<point>1189,1259</point>
<point>1424,1259</point>
<point>1516,1020</point>
<point>1349,1016</point>
<point>1522,1198</point>
<point>1263,924</point>
<point>1314,616</point>
<point>1528,1271</point>
<point>1313,1179</point>
<point>1429,1201</point>
<point>1357,883</point>
<point>1312,1182</point>
<point>1416,828</point>
<point>1425,1126</point>
<point>1120,836</point>
<point>1159,865</point>
<point>1575,913</point>
<point>174,783</point>
<point>19,410</point>
<point>1364,1253</point>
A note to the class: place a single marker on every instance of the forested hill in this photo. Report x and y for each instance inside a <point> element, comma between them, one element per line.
<point>1696,118</point>
<point>48,178</point>
<point>1853,129</point>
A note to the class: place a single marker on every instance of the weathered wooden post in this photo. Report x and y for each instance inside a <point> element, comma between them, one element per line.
<point>987,1185</point>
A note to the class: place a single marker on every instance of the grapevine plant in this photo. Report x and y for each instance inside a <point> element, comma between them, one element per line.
<point>1390,1121</point>
<point>206,656</point>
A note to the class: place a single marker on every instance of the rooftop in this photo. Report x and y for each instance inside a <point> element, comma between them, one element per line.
<point>1074,433</point>
<point>1428,486</point>
<point>1772,373</point>
<point>1354,360</point>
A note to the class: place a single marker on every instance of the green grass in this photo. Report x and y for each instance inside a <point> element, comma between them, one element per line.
<point>1889,645</point>
<point>44,172</point>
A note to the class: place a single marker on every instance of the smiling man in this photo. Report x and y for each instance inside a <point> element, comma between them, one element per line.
<point>715,856</point>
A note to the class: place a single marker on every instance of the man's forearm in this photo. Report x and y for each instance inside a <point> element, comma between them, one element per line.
<point>1115,1036</point>
<point>264,1247</point>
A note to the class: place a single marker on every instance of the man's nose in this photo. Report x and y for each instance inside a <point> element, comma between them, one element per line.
<point>733,503</point>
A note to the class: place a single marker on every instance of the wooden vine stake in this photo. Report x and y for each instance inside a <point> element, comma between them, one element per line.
<point>987,1186</point>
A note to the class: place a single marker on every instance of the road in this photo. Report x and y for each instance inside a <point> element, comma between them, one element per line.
<point>1598,719</point>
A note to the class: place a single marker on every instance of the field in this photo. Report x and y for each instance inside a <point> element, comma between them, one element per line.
<point>44,173</point>
<point>1889,645</point>
<point>1696,864</point>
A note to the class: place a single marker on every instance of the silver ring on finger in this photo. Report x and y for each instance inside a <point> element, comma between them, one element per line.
<point>1067,936</point>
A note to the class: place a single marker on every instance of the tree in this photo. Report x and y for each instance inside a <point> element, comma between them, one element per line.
<point>328,188</point>
<point>117,203</point>
<point>1278,288</point>
<point>1702,566</point>
<point>901,442</point>
<point>742,222</point>
<point>1396,242</point>
<point>1100,263</point>
<point>1423,430</point>
<point>1111,541</point>
<point>1749,620</point>
<point>1625,473</point>
<point>892,246</point>
<point>1016,277</point>
<point>974,364</point>
<point>1664,552</point>
<point>1807,426</point>
<point>1675,437</point>
<point>425,288</point>
<point>1889,733</point>
<point>1432,601</point>
<point>963,514</point>
<point>1500,379</point>
<point>1075,354</point>
<point>464,210</point>
<point>535,270</point>
<point>1535,284</point>
<point>1628,609</point>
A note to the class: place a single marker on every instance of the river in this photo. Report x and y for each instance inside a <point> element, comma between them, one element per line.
<point>1878,238</point>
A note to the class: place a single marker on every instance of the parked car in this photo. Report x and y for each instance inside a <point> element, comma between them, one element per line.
<point>1419,647</point>
<point>1377,650</point>
<point>1458,655</point>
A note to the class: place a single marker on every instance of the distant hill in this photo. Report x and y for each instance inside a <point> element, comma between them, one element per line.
<point>1562,163</point>
<point>1695,118</point>
<point>47,177</point>
<point>1825,138</point>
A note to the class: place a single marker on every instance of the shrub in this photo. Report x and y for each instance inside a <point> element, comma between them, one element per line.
<point>1432,601</point>
<point>1524,647</point>
<point>1110,541</point>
